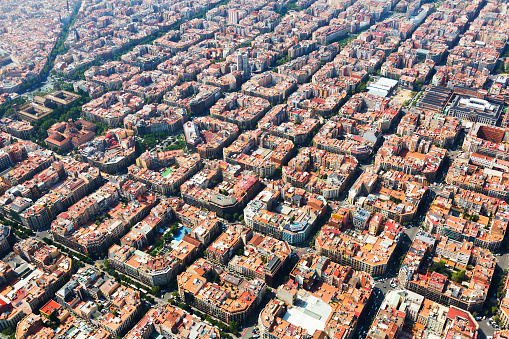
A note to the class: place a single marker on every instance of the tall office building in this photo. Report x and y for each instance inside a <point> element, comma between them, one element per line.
<point>243,64</point>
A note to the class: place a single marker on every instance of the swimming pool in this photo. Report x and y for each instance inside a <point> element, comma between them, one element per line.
<point>181,232</point>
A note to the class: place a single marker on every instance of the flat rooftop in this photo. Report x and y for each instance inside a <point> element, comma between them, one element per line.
<point>308,312</point>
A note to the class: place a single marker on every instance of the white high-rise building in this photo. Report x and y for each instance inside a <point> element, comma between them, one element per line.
<point>233,16</point>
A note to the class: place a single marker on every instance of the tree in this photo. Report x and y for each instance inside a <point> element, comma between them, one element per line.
<point>175,294</point>
<point>233,327</point>
<point>439,267</point>
<point>8,331</point>
<point>395,200</point>
<point>184,306</point>
<point>459,276</point>
<point>361,87</point>
<point>156,290</point>
<point>168,237</point>
<point>174,228</point>
<point>15,215</point>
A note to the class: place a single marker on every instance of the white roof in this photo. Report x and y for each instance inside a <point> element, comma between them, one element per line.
<point>387,82</point>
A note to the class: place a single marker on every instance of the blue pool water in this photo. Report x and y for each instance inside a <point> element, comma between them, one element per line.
<point>181,232</point>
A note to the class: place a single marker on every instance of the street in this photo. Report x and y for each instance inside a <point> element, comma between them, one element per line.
<point>382,286</point>
<point>256,45</point>
<point>44,86</point>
